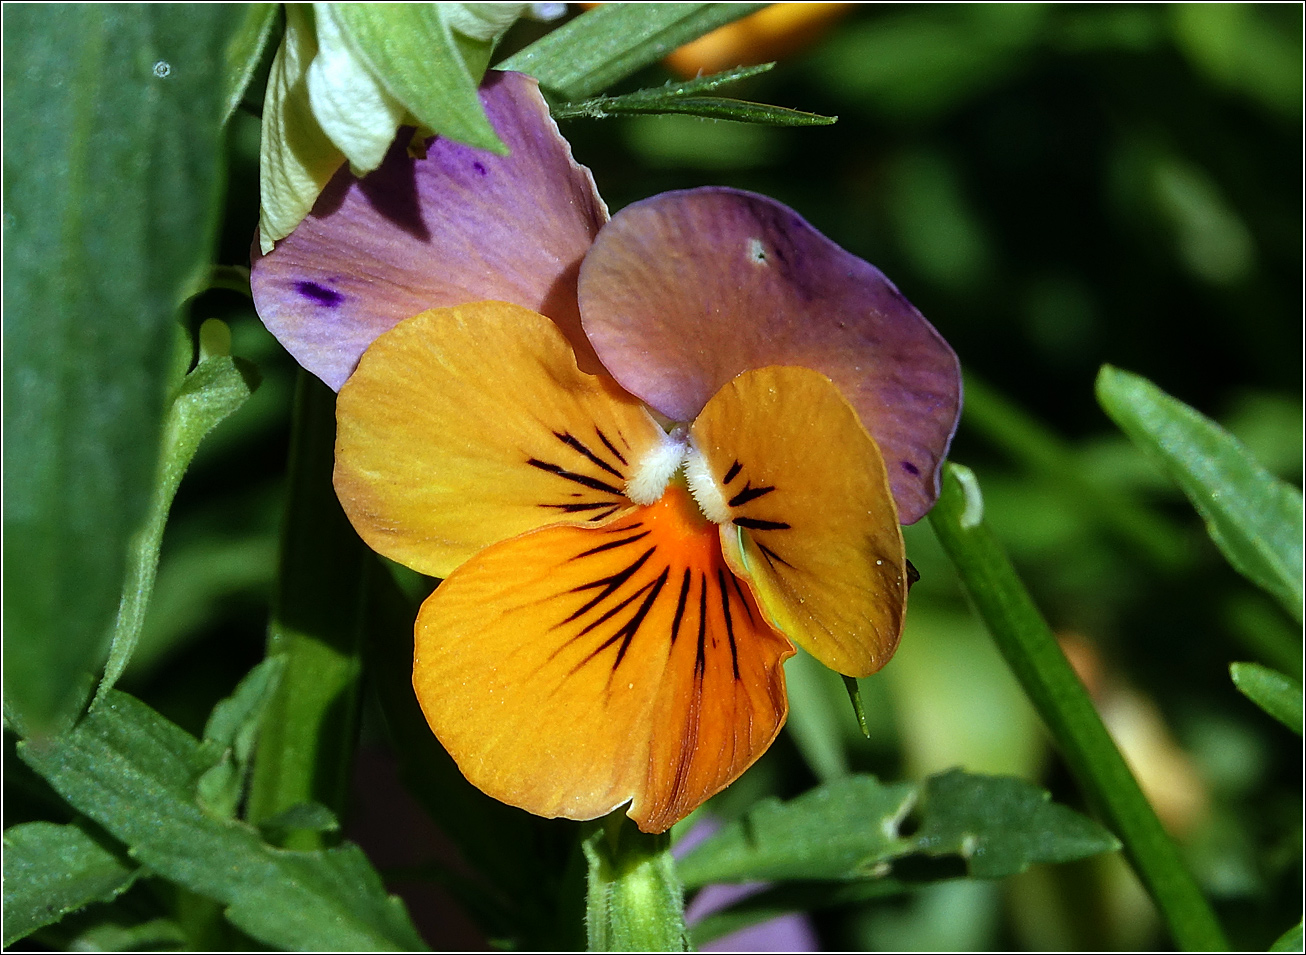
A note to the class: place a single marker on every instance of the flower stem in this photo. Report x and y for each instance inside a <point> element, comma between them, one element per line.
<point>1032,652</point>
<point>635,901</point>
<point>306,749</point>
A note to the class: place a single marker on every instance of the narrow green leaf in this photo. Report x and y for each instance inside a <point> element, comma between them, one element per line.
<point>244,52</point>
<point>634,901</point>
<point>1026,642</point>
<point>855,698</point>
<point>840,830</point>
<point>1002,825</point>
<point>735,110</point>
<point>410,48</point>
<point>112,182</point>
<point>687,98</point>
<point>51,870</point>
<point>1254,518</point>
<point>613,41</point>
<point>208,395</point>
<point>1275,693</point>
<point>133,772</point>
<point>1289,941</point>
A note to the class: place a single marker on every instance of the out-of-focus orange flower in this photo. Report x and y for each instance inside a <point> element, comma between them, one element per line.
<point>1165,772</point>
<point>778,31</point>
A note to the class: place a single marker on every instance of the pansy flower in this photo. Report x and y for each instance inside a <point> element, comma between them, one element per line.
<point>647,455</point>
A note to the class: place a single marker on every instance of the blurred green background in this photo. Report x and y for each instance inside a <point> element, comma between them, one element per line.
<point>1055,187</point>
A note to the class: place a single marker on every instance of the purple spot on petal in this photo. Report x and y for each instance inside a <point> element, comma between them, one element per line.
<point>319,294</point>
<point>911,468</point>
<point>479,167</point>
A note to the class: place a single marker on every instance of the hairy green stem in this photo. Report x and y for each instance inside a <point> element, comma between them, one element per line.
<point>1032,652</point>
<point>635,902</point>
<point>306,750</point>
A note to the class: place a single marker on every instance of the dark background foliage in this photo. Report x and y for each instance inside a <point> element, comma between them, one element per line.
<point>1055,187</point>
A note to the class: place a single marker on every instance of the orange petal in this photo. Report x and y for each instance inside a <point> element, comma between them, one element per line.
<point>812,521</point>
<point>573,669</point>
<point>465,426</point>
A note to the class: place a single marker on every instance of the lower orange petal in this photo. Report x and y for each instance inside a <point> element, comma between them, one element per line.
<point>571,669</point>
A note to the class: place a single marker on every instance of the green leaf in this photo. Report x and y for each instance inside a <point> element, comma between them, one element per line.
<point>1289,941</point>
<point>208,395</point>
<point>841,830</point>
<point>1275,693</point>
<point>244,53</point>
<point>1254,518</point>
<point>687,98</point>
<point>153,935</point>
<point>613,41</point>
<point>112,181</point>
<point>850,830</point>
<point>735,110</point>
<point>1001,825</point>
<point>410,48</point>
<point>133,772</point>
<point>51,870</point>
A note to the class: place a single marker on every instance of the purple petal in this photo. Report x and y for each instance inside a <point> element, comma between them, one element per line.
<point>461,225</point>
<point>683,291</point>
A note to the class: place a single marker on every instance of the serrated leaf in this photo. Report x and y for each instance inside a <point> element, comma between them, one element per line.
<point>410,49</point>
<point>1274,692</point>
<point>244,52</point>
<point>836,831</point>
<point>614,40</point>
<point>112,174</point>
<point>1001,825</point>
<point>51,870</point>
<point>207,396</point>
<point>1254,518</point>
<point>848,830</point>
<point>133,772</point>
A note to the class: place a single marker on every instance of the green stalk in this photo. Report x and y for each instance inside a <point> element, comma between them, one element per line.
<point>306,749</point>
<point>635,902</point>
<point>1032,652</point>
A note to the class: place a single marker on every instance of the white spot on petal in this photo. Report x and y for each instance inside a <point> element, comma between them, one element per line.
<point>757,251</point>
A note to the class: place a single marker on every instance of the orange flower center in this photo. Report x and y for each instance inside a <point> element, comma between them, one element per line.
<point>679,528</point>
